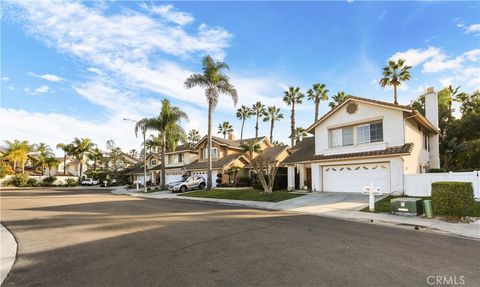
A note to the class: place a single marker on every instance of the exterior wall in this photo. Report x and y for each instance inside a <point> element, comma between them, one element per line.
<point>222,151</point>
<point>149,161</point>
<point>392,123</point>
<point>421,184</point>
<point>419,156</point>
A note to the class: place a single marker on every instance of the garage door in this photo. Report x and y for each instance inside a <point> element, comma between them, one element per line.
<point>173,177</point>
<point>352,178</point>
<point>204,175</point>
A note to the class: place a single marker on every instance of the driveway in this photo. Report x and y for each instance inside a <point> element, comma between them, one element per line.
<point>93,238</point>
<point>319,201</point>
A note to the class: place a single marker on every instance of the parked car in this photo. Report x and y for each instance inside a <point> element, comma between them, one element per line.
<point>187,183</point>
<point>89,181</point>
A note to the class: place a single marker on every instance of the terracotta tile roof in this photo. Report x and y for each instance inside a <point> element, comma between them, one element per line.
<point>216,164</point>
<point>272,153</point>
<point>305,151</point>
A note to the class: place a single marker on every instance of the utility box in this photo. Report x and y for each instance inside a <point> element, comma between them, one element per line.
<point>410,206</point>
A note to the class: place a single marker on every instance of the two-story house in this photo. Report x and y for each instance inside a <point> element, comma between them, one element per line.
<point>362,142</point>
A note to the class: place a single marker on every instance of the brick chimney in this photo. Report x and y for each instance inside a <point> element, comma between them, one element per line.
<point>431,113</point>
<point>231,137</point>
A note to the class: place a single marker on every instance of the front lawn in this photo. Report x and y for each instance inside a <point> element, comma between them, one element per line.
<point>245,194</point>
<point>383,205</point>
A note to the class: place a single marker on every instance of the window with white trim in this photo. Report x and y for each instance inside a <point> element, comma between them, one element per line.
<point>336,137</point>
<point>425,141</point>
<point>153,162</point>
<point>180,157</point>
<point>347,136</point>
<point>368,133</point>
<point>213,153</point>
<point>363,134</point>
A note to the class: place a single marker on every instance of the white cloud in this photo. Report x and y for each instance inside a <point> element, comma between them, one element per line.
<point>5,79</point>
<point>41,90</point>
<point>95,71</point>
<point>48,77</point>
<point>414,57</point>
<point>167,12</point>
<point>440,63</point>
<point>446,81</point>
<point>474,28</point>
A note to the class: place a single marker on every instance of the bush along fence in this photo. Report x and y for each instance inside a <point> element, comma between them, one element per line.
<point>23,180</point>
<point>421,184</point>
<point>453,198</point>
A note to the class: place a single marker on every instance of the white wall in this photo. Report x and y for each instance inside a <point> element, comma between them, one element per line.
<point>392,127</point>
<point>421,184</point>
<point>419,155</point>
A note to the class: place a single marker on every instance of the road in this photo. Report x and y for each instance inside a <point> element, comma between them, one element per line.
<point>94,238</point>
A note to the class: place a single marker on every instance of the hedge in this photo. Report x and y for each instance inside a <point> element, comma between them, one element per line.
<point>453,198</point>
<point>280,182</point>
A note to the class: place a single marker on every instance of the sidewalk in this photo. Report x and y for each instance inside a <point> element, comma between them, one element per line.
<point>312,204</point>
<point>8,253</point>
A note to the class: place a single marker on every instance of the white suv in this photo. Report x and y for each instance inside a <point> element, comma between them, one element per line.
<point>187,183</point>
<point>89,181</point>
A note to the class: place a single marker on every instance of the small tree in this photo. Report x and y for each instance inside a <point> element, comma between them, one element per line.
<point>266,170</point>
<point>232,175</point>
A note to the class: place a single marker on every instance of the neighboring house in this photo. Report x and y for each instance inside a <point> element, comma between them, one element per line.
<point>175,163</point>
<point>362,142</point>
<point>73,167</point>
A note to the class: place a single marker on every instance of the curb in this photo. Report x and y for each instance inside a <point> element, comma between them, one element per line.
<point>9,251</point>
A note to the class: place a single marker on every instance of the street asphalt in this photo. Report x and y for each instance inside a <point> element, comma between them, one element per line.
<point>94,238</point>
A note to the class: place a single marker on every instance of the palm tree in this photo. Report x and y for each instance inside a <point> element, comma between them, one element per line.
<point>243,113</point>
<point>95,155</point>
<point>251,148</point>
<point>133,152</point>
<point>273,114</point>
<point>277,143</point>
<point>293,96</point>
<point>81,148</point>
<point>300,133</point>
<point>225,128</point>
<point>338,99</point>
<point>215,82</point>
<point>193,136</point>
<point>168,126</point>
<point>67,151</point>
<point>317,93</point>
<point>17,152</point>
<point>51,163</point>
<point>258,109</point>
<point>43,152</point>
<point>394,74</point>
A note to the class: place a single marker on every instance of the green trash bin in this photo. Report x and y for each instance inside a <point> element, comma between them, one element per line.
<point>427,208</point>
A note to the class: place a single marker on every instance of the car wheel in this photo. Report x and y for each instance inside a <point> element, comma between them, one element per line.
<point>201,186</point>
<point>183,188</point>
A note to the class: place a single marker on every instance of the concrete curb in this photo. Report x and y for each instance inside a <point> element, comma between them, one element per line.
<point>429,225</point>
<point>8,252</point>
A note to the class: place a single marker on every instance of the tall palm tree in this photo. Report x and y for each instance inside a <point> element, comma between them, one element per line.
<point>133,152</point>
<point>168,125</point>
<point>215,82</point>
<point>251,148</point>
<point>81,148</point>
<point>300,133</point>
<point>225,128</point>
<point>317,93</point>
<point>243,113</point>
<point>17,152</point>
<point>43,152</point>
<point>272,115</point>
<point>67,151</point>
<point>95,155</point>
<point>291,97</point>
<point>193,136</point>
<point>259,111</point>
<point>51,163</point>
<point>394,74</point>
<point>338,99</point>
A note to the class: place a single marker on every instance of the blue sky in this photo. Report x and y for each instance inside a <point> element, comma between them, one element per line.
<point>77,68</point>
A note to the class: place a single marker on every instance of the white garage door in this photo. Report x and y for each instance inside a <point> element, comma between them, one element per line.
<point>204,174</point>
<point>352,178</point>
<point>173,177</point>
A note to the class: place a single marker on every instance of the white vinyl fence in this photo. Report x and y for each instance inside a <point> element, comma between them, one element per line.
<point>421,184</point>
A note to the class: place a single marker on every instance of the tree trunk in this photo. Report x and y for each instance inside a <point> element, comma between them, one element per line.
<point>395,94</point>
<point>256,127</point>
<point>14,167</point>
<point>64,163</point>
<point>292,124</point>
<point>241,132</point>
<point>317,104</point>
<point>209,147</point>
<point>164,143</point>
<point>271,130</point>
<point>80,173</point>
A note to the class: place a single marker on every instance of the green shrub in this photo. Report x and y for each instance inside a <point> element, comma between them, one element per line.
<point>437,170</point>
<point>71,182</point>
<point>453,198</point>
<point>49,180</point>
<point>279,183</point>
<point>243,181</point>
<point>32,182</point>
<point>5,169</point>
<point>19,180</point>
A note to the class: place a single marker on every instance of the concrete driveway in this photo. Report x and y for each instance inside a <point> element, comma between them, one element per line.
<point>94,238</point>
<point>328,201</point>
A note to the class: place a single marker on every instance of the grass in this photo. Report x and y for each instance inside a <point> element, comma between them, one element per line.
<point>245,194</point>
<point>383,206</point>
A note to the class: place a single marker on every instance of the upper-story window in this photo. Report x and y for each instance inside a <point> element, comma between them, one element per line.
<point>180,157</point>
<point>213,153</point>
<point>365,133</point>
<point>153,162</point>
<point>425,141</point>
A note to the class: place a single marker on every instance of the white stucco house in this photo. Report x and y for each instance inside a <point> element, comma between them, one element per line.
<point>362,142</point>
